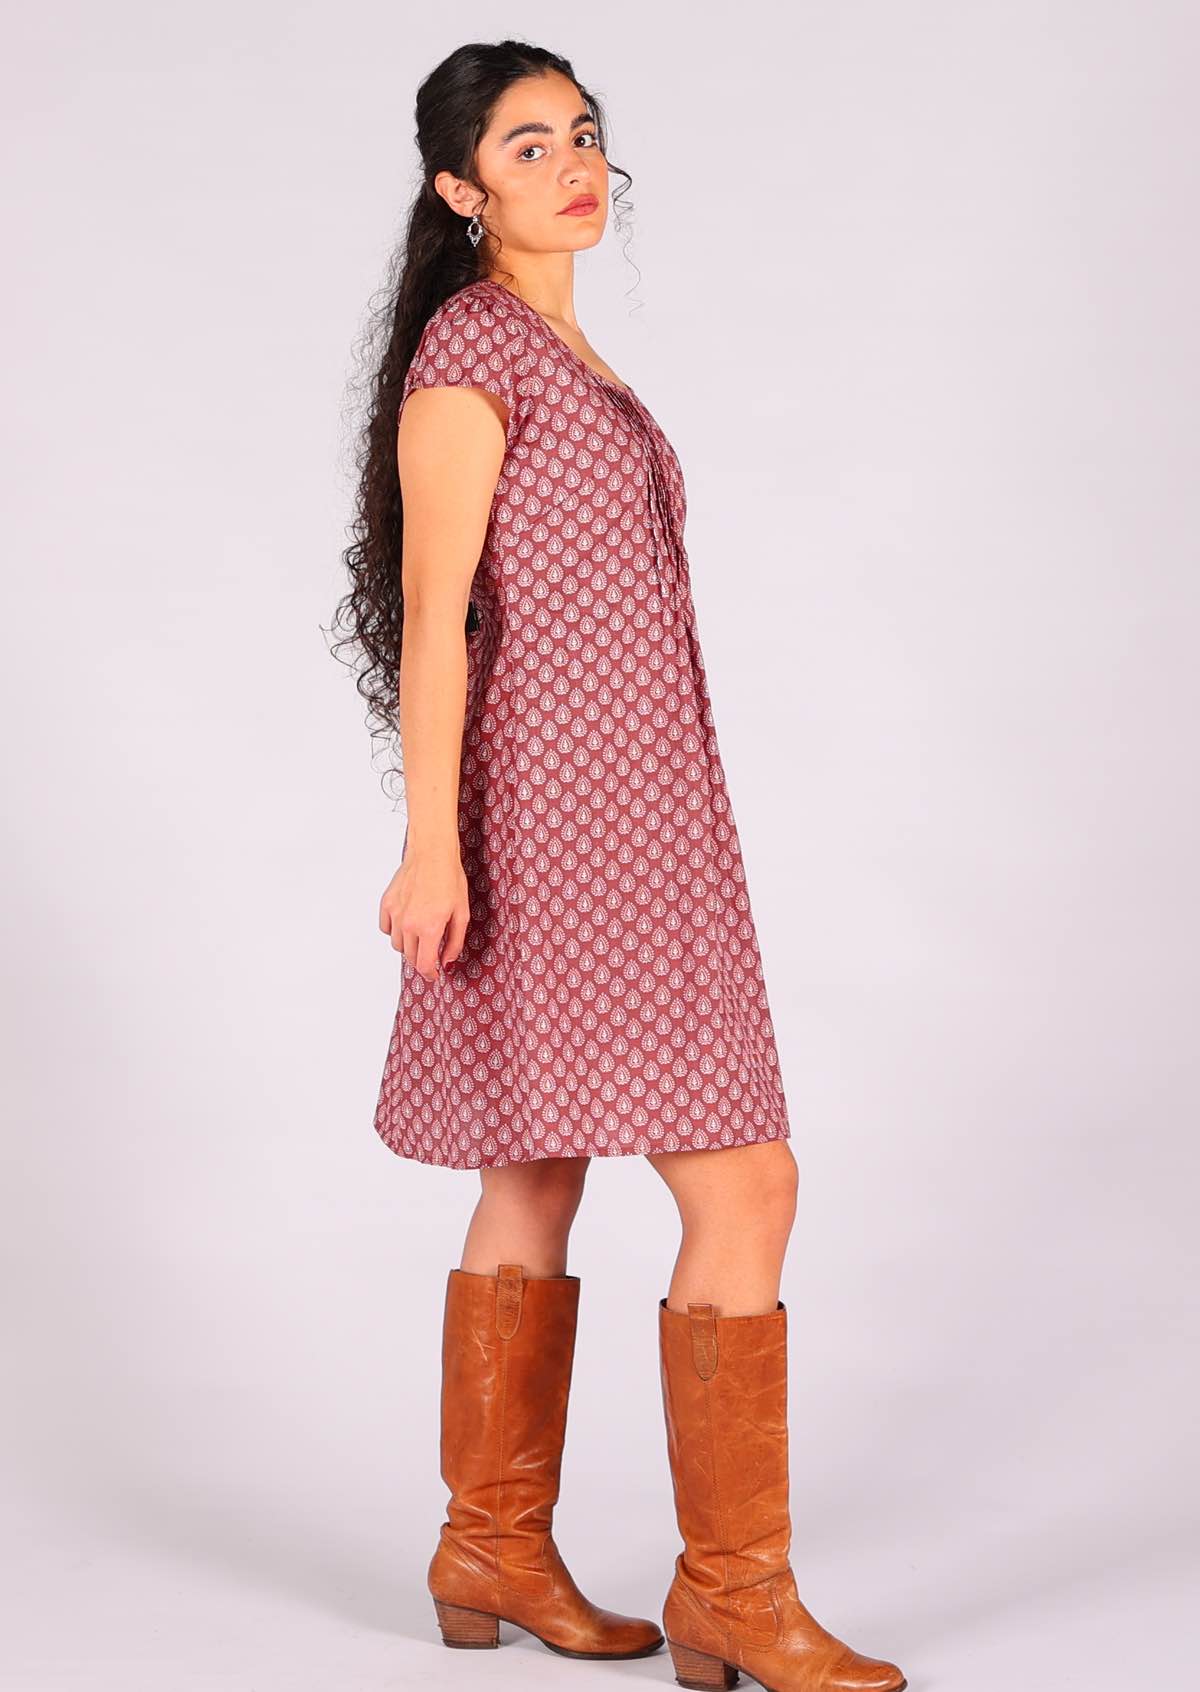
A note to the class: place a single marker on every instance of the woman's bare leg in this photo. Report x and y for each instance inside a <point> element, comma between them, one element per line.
<point>524,1216</point>
<point>737,1206</point>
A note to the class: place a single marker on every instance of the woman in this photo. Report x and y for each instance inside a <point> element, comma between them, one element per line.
<point>583,977</point>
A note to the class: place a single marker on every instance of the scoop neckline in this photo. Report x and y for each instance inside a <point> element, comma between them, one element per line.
<point>621,387</point>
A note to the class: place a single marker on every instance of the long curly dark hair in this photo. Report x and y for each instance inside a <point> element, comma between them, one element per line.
<point>434,259</point>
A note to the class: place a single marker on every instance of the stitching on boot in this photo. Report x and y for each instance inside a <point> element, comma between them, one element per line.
<point>500,1451</point>
<point>704,1340</point>
<point>721,1533</point>
<point>509,1291</point>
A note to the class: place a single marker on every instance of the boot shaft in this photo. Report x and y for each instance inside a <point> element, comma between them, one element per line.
<point>508,1346</point>
<point>725,1403</point>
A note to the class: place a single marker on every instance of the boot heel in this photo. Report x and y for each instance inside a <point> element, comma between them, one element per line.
<point>697,1669</point>
<point>471,1630</point>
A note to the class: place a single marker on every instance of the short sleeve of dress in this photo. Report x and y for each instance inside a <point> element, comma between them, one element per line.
<point>468,343</point>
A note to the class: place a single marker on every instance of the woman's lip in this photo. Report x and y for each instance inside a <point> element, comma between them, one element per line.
<point>581,207</point>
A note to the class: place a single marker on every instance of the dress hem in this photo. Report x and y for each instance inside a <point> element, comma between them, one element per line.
<point>641,1146</point>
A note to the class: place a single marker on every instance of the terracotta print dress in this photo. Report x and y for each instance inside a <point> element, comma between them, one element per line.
<point>609,998</point>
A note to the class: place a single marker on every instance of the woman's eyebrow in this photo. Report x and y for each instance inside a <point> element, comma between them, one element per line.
<point>540,128</point>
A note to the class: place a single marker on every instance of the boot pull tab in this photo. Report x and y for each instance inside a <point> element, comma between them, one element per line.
<point>704,1339</point>
<point>509,1287</point>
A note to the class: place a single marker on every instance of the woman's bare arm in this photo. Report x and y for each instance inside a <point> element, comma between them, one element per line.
<point>450,447</point>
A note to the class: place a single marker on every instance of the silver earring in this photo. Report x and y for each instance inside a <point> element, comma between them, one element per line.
<point>475,231</point>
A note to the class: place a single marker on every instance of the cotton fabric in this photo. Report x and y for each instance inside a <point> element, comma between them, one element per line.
<point>609,999</point>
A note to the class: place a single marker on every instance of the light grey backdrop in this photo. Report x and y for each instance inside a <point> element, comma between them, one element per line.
<point>917,306</point>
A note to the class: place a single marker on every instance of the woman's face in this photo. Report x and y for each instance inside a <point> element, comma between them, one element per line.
<point>538,155</point>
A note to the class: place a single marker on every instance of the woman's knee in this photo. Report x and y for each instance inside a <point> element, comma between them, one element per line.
<point>547,1191</point>
<point>747,1186</point>
<point>772,1188</point>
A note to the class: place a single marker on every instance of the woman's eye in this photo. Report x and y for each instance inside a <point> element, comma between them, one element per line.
<point>584,135</point>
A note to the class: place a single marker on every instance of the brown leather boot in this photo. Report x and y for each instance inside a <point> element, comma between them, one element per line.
<point>508,1344</point>
<point>733,1602</point>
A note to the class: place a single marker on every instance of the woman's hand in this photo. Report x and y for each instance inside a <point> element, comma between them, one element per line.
<point>427,895</point>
